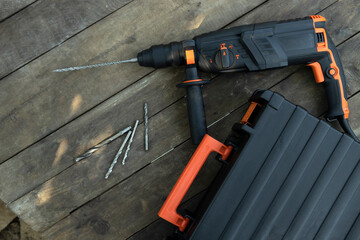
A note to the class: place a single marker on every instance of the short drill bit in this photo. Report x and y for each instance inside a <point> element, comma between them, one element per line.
<point>89,152</point>
<point>131,139</point>
<point>146,123</point>
<point>132,60</point>
<point>117,156</point>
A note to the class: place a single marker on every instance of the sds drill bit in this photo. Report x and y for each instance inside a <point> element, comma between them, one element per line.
<point>130,141</point>
<point>89,152</point>
<point>117,155</point>
<point>146,123</point>
<point>132,60</point>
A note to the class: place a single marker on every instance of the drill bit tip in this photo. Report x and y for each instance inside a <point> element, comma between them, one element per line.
<point>132,60</point>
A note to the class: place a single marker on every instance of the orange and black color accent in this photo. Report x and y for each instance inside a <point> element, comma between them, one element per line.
<point>168,210</point>
<point>333,68</point>
<point>249,112</point>
<point>190,57</point>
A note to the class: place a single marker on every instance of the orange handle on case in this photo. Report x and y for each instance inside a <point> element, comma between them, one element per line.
<point>168,210</point>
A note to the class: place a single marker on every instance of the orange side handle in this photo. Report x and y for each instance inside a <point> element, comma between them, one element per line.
<point>168,210</point>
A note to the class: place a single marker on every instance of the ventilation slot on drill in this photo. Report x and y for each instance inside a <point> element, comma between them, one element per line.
<point>320,37</point>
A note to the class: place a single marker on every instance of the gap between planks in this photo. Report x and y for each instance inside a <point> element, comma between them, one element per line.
<point>60,42</point>
<point>118,92</point>
<point>17,10</point>
<point>236,19</point>
<point>188,139</point>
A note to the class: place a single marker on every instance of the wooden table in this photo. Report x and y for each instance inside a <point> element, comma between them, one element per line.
<point>47,119</point>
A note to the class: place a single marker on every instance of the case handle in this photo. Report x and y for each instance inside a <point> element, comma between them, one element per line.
<point>168,210</point>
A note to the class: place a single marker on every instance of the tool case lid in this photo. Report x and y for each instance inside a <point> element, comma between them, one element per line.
<point>296,177</point>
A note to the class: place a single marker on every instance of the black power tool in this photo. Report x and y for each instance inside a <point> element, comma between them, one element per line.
<point>256,47</point>
<point>252,48</point>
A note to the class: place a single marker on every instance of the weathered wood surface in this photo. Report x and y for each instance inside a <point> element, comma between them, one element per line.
<point>31,166</point>
<point>45,25</point>
<point>160,229</point>
<point>138,201</point>
<point>70,224</point>
<point>152,85</point>
<point>27,233</point>
<point>9,7</point>
<point>146,88</point>
<point>6,215</point>
<point>53,198</point>
<point>27,159</point>
<point>215,89</point>
<point>120,35</point>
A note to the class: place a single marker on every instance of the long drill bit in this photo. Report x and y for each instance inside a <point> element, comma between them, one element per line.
<point>131,139</point>
<point>146,123</point>
<point>117,155</point>
<point>132,60</point>
<point>89,152</point>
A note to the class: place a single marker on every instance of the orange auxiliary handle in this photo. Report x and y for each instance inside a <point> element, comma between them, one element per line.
<point>168,210</point>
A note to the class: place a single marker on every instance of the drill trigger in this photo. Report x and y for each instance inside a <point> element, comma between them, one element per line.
<point>318,74</point>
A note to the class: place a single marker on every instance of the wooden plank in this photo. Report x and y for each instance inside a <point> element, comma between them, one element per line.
<point>57,152</point>
<point>69,221</point>
<point>163,145</point>
<point>6,215</point>
<point>160,229</point>
<point>102,124</point>
<point>158,174</point>
<point>43,26</point>
<point>50,99</point>
<point>57,197</point>
<point>60,152</point>
<point>12,231</point>
<point>26,233</point>
<point>142,184</point>
<point>151,187</point>
<point>354,119</point>
<point>9,7</point>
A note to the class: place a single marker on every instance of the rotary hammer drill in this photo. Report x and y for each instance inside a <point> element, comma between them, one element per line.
<point>252,48</point>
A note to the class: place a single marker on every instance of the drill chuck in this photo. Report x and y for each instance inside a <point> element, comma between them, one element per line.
<point>160,56</point>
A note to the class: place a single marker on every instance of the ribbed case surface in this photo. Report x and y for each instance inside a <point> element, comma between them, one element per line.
<point>296,178</point>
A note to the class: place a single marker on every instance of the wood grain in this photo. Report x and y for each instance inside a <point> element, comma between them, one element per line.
<point>139,198</point>
<point>9,7</point>
<point>160,229</point>
<point>102,124</point>
<point>6,215</point>
<point>51,100</point>
<point>26,232</point>
<point>303,77</point>
<point>215,113</point>
<point>78,221</point>
<point>45,25</point>
<point>61,151</point>
<point>230,86</point>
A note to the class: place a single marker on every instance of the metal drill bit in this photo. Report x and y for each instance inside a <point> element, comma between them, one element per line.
<point>146,119</point>
<point>89,152</point>
<point>131,139</point>
<point>117,156</point>
<point>132,60</point>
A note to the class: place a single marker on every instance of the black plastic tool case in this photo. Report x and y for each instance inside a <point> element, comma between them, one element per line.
<point>295,177</point>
